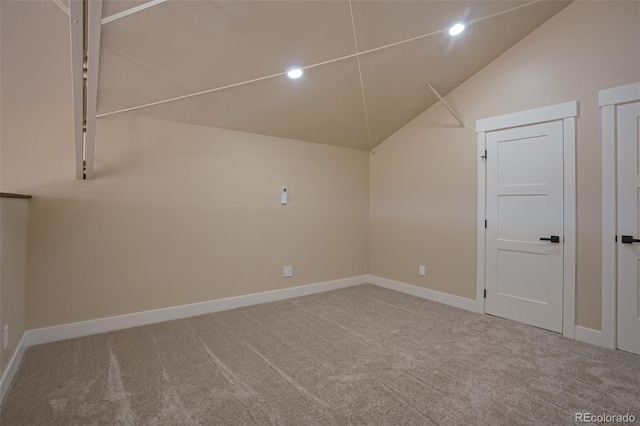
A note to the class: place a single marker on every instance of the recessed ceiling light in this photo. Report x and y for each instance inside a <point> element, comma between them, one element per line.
<point>456,29</point>
<point>295,72</point>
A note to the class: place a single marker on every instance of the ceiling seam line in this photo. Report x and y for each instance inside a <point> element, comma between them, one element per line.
<point>364,98</point>
<point>190,95</point>
<point>386,46</point>
<point>357,55</point>
<point>216,89</point>
<point>364,104</point>
<point>130,11</point>
<point>504,11</point>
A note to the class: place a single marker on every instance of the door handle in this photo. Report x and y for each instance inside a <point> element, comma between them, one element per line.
<point>628,239</point>
<point>553,239</point>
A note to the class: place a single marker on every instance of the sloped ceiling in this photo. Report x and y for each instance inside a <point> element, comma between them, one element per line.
<point>367,63</point>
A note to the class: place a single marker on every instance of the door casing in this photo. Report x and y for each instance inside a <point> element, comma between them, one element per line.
<point>565,112</point>
<point>609,99</point>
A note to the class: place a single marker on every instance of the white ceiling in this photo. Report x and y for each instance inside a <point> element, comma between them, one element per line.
<point>356,99</point>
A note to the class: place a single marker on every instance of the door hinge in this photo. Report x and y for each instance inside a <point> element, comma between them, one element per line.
<point>616,238</point>
<point>485,224</point>
<point>485,293</point>
<point>484,157</point>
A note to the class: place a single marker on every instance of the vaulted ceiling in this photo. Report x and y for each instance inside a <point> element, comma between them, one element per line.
<point>366,63</point>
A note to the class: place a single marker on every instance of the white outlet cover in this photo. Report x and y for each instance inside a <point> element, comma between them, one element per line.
<point>287,271</point>
<point>422,271</point>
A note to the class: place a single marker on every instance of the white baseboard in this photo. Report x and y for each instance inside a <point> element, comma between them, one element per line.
<point>102,325</point>
<point>12,367</point>
<point>425,293</point>
<point>589,335</point>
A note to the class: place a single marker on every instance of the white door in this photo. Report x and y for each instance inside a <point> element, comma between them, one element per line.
<point>524,260</point>
<point>628,227</point>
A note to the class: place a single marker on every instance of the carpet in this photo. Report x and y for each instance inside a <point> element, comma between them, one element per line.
<point>361,355</point>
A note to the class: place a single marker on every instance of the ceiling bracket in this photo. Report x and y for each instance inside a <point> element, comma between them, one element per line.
<point>435,92</point>
<point>64,7</point>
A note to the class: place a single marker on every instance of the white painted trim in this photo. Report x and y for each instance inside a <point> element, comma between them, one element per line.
<point>609,226</point>
<point>482,231</point>
<point>425,293</point>
<point>566,112</point>
<point>569,245</point>
<point>590,335</point>
<point>102,325</point>
<point>12,367</point>
<point>532,116</point>
<point>608,100</point>
<point>619,95</point>
<point>131,11</point>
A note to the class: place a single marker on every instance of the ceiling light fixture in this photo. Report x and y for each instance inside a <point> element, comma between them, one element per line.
<point>295,72</point>
<point>456,29</point>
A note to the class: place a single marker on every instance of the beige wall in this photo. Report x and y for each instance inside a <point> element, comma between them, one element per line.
<point>181,214</point>
<point>177,213</point>
<point>423,178</point>
<point>13,273</point>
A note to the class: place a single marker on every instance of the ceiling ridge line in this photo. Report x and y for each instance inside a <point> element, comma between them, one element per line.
<point>364,98</point>
<point>357,55</point>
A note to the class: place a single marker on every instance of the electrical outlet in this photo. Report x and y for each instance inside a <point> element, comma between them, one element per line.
<point>287,271</point>
<point>422,271</point>
<point>5,337</point>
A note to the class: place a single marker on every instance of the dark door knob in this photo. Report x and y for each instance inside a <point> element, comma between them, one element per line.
<point>553,239</point>
<point>628,239</point>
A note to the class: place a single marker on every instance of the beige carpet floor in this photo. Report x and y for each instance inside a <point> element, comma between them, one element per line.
<point>362,355</point>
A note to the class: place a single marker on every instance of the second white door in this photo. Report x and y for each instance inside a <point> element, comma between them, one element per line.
<point>628,135</point>
<point>524,257</point>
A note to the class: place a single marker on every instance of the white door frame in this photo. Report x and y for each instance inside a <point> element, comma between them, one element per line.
<point>609,99</point>
<point>566,112</point>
